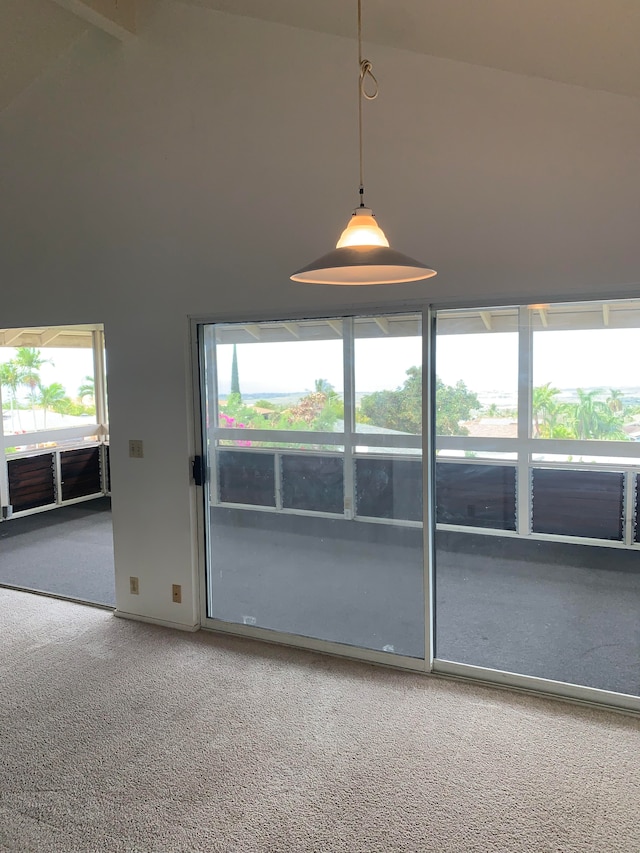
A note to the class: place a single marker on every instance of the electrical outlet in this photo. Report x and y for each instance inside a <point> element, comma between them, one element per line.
<point>134,587</point>
<point>136,449</point>
<point>176,593</point>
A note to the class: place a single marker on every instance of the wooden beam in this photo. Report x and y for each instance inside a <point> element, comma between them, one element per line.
<point>116,17</point>
<point>486,319</point>
<point>254,331</point>
<point>382,324</point>
<point>48,336</point>
<point>336,325</point>
<point>11,336</point>
<point>292,328</point>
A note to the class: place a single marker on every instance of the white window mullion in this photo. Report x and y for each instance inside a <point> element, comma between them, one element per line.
<point>99,382</point>
<point>277,474</point>
<point>348,344</point>
<point>4,470</point>
<point>213,414</point>
<point>629,507</point>
<point>525,391</point>
<point>428,482</point>
<point>57,476</point>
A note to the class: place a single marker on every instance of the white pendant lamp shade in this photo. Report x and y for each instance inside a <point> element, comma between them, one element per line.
<point>363,256</point>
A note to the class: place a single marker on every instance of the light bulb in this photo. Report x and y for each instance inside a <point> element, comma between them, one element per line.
<point>362,230</point>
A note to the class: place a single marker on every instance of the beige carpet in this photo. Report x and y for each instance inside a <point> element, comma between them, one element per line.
<point>118,736</point>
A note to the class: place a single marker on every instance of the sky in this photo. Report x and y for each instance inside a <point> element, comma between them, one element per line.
<point>485,362</point>
<point>295,365</point>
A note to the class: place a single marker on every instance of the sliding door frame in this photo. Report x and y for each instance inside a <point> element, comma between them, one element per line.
<point>430,665</point>
<point>346,315</point>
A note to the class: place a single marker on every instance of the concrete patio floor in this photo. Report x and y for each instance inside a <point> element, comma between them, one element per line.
<point>567,612</point>
<point>66,551</point>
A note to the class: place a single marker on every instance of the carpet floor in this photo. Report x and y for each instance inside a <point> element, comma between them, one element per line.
<point>121,736</point>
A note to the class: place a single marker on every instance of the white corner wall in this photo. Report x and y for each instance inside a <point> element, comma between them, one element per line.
<point>189,172</point>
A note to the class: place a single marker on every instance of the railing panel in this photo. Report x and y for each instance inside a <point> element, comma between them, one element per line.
<point>31,482</point>
<point>389,488</point>
<point>313,483</point>
<point>247,478</point>
<point>578,503</point>
<point>476,495</point>
<point>80,473</point>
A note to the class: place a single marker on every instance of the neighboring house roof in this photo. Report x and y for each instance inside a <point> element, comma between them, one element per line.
<point>491,428</point>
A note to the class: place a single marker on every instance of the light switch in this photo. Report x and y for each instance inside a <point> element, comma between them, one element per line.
<point>135,449</point>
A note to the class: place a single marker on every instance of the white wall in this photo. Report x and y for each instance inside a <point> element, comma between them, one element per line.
<point>190,172</point>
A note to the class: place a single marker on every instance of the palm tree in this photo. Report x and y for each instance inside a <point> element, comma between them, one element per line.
<point>543,405</point>
<point>29,361</point>
<point>614,400</point>
<point>559,423</point>
<point>10,379</point>
<point>50,395</point>
<point>595,419</point>
<point>323,386</point>
<point>88,388</point>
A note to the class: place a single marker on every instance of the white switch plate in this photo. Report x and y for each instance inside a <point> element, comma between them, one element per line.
<point>136,450</point>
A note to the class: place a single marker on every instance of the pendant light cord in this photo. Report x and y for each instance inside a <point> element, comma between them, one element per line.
<point>366,77</point>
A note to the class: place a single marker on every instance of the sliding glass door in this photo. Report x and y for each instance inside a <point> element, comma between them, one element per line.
<point>314,495</point>
<point>453,492</point>
<point>537,562</point>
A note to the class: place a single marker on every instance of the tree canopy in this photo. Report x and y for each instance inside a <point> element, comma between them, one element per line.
<point>589,418</point>
<point>402,409</point>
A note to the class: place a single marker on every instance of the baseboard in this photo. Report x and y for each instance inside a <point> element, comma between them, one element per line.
<point>134,617</point>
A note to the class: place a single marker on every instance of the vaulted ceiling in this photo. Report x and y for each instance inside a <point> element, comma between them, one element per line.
<point>36,33</point>
<point>586,43</point>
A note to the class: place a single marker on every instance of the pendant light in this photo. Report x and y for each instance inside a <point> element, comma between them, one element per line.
<point>363,255</point>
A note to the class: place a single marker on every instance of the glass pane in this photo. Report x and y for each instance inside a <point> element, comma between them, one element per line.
<point>389,488</point>
<point>477,373</point>
<point>528,592</point>
<point>312,482</point>
<point>289,548</point>
<point>246,478</point>
<point>388,374</point>
<point>284,384</point>
<point>46,388</point>
<point>557,610</point>
<point>585,381</point>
